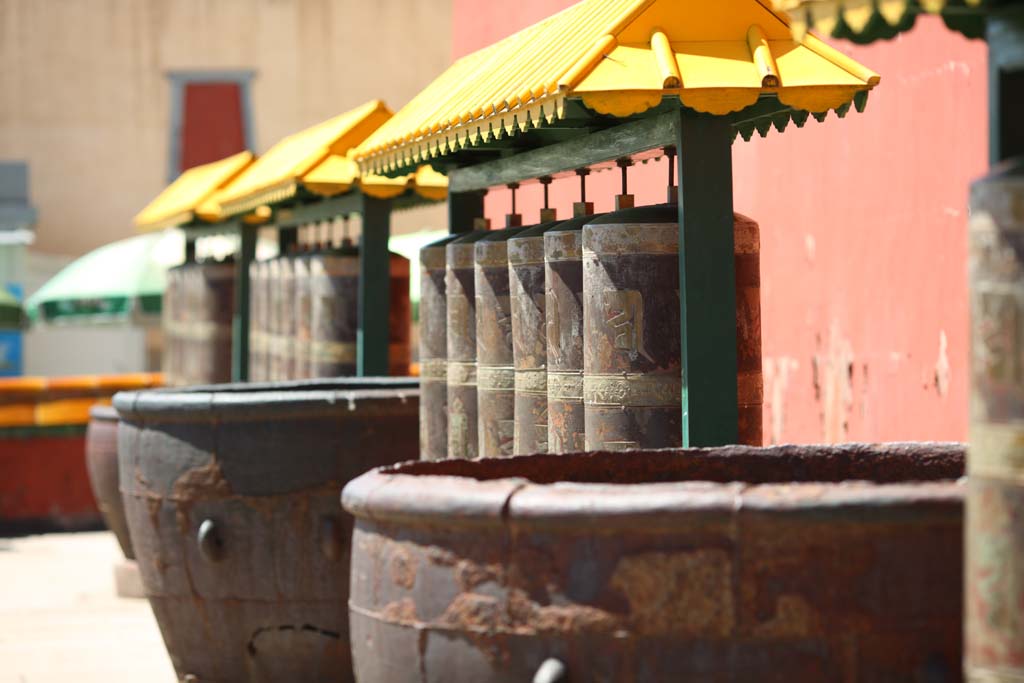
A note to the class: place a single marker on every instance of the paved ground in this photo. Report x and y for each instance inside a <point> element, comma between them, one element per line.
<point>60,620</point>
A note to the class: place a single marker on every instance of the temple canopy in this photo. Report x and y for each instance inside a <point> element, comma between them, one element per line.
<point>863,21</point>
<point>187,198</point>
<point>602,61</point>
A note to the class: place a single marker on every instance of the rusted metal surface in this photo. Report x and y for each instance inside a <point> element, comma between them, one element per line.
<point>749,374</point>
<point>101,461</point>
<point>529,338</point>
<point>433,352</point>
<point>460,296</point>
<point>735,564</point>
<point>231,495</point>
<point>334,312</point>
<point>495,373</point>
<point>301,360</point>
<point>995,502</point>
<point>632,373</point>
<point>563,276</point>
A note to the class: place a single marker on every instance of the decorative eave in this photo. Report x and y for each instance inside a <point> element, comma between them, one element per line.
<point>278,175</point>
<point>180,202</point>
<point>618,58</point>
<point>863,21</point>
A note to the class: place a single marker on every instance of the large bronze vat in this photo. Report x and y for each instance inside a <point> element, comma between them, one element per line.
<point>794,563</point>
<point>231,494</point>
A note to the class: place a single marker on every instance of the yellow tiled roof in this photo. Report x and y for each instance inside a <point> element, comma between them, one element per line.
<point>619,57</point>
<point>338,174</point>
<point>181,201</point>
<point>277,174</point>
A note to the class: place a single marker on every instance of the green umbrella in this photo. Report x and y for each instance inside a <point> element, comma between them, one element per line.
<point>11,315</point>
<point>111,282</point>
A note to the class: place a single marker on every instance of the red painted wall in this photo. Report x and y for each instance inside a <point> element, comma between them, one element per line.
<point>863,237</point>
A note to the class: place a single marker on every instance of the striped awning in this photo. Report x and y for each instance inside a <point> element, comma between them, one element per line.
<point>864,21</point>
<point>181,202</point>
<point>618,58</point>
<point>279,173</point>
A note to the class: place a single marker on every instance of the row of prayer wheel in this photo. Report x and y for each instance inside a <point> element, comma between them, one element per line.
<point>304,314</point>
<point>565,336</point>
<point>198,307</point>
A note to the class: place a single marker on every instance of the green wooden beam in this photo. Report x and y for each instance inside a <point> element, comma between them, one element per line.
<point>374,288</point>
<point>316,211</point>
<point>463,207</point>
<point>240,320</point>
<point>1005,36</point>
<point>707,289</point>
<point>611,143</point>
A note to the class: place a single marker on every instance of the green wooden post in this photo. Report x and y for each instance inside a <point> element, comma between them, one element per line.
<point>707,288</point>
<point>1005,36</point>
<point>240,321</point>
<point>190,248</point>
<point>374,283</point>
<point>463,207</point>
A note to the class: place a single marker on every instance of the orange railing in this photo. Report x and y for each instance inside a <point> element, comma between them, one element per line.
<point>43,401</point>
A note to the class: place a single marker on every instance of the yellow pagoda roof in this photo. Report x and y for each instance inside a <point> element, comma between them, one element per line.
<point>278,173</point>
<point>181,201</point>
<point>619,58</point>
<point>338,174</point>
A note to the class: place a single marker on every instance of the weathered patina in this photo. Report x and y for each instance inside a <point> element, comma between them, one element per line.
<point>101,461</point>
<point>433,351</point>
<point>231,495</point>
<point>796,563</point>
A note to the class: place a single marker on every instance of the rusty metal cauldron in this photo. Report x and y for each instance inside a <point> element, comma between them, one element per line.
<point>994,626</point>
<point>495,373</point>
<point>632,384</point>
<point>529,339</point>
<point>734,564</point>
<point>301,359</point>
<point>101,461</point>
<point>231,495</point>
<point>460,295</point>
<point>433,351</point>
<point>563,277</point>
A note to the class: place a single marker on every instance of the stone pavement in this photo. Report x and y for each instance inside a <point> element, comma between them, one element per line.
<point>60,620</point>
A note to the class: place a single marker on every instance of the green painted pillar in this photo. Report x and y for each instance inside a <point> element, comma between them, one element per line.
<point>240,321</point>
<point>372,338</point>
<point>707,288</point>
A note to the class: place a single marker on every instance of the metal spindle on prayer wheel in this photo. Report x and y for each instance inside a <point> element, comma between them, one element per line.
<point>495,370</point>
<point>563,278</point>
<point>433,351</point>
<point>529,339</point>
<point>460,295</point>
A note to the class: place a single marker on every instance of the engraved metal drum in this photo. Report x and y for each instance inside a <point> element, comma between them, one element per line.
<point>460,295</point>
<point>563,278</point>
<point>433,352</point>
<point>749,377</point>
<point>301,360</point>
<point>214,283</point>
<point>259,290</point>
<point>171,325</point>
<point>994,628</point>
<point>495,372</point>
<point>529,339</point>
<point>284,318</point>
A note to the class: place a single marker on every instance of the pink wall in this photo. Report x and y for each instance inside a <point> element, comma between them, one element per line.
<point>863,237</point>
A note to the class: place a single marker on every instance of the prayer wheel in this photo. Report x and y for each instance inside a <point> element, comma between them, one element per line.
<point>334,312</point>
<point>563,276</point>
<point>433,352</point>
<point>994,582</point>
<point>173,309</point>
<point>284,317</point>
<point>495,370</point>
<point>271,287</point>
<point>258,310</point>
<point>529,338</point>
<point>214,284</point>
<point>632,384</point>
<point>460,295</point>
<point>301,360</point>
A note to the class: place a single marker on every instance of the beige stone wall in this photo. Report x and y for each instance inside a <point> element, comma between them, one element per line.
<point>85,98</point>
